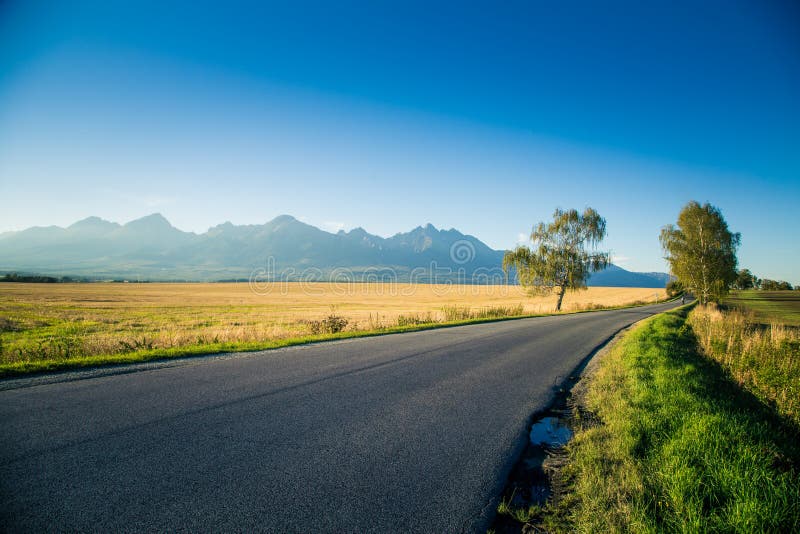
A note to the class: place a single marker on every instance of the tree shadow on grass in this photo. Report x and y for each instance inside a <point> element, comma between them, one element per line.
<point>715,386</point>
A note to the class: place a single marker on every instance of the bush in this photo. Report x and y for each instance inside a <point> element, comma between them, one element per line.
<point>674,288</point>
<point>332,324</point>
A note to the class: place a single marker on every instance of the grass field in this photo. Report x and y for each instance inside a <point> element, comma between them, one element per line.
<point>674,444</point>
<point>768,306</point>
<point>49,326</point>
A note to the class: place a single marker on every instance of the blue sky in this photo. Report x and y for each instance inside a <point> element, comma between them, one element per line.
<point>479,116</point>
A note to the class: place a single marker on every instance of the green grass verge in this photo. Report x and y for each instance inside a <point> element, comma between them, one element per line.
<point>768,306</point>
<point>680,447</point>
<point>21,368</point>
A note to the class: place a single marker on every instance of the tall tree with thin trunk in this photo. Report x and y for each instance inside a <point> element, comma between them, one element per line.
<point>701,251</point>
<point>563,254</point>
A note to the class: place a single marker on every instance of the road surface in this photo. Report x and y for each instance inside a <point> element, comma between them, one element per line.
<point>398,433</point>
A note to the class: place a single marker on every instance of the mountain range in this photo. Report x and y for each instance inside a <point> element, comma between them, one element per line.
<point>151,248</point>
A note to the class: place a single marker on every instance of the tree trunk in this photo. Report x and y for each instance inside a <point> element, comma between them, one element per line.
<point>563,290</point>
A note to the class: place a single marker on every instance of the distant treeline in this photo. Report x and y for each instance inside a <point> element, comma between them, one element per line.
<point>747,280</point>
<point>33,278</point>
<point>775,285</point>
<point>38,278</point>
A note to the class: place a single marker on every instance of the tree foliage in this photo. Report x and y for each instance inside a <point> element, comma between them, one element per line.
<point>563,254</point>
<point>701,251</point>
<point>674,288</point>
<point>746,280</point>
<point>775,285</point>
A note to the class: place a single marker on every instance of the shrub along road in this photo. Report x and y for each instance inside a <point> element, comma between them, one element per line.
<point>406,432</point>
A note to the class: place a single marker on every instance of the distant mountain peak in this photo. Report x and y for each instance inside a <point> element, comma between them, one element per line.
<point>154,220</point>
<point>92,226</point>
<point>92,222</point>
<point>420,230</point>
<point>283,219</point>
<point>153,230</point>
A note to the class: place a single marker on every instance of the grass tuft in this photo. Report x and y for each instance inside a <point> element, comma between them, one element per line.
<point>465,313</point>
<point>519,514</point>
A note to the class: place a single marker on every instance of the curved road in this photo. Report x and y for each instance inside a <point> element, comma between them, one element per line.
<point>405,432</point>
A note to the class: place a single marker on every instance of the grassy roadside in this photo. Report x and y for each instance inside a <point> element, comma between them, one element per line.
<point>145,355</point>
<point>21,368</point>
<point>762,358</point>
<point>673,443</point>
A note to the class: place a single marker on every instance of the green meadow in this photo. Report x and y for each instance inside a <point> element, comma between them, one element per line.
<point>768,306</point>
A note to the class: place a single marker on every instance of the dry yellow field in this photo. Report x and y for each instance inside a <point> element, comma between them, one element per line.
<point>61,321</point>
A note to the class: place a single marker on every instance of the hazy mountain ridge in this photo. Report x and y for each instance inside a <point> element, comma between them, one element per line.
<point>151,248</point>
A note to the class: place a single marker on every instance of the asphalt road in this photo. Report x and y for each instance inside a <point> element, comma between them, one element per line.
<point>398,433</point>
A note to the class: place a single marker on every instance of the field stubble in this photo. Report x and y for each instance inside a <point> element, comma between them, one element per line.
<point>66,321</point>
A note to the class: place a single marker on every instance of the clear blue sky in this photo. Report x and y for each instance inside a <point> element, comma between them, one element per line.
<point>387,115</point>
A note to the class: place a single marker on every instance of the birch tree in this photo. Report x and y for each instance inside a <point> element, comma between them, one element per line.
<point>563,254</point>
<point>701,251</point>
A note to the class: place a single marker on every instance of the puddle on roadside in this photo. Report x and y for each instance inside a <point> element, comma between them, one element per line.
<point>530,481</point>
<point>550,432</point>
<point>534,479</point>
